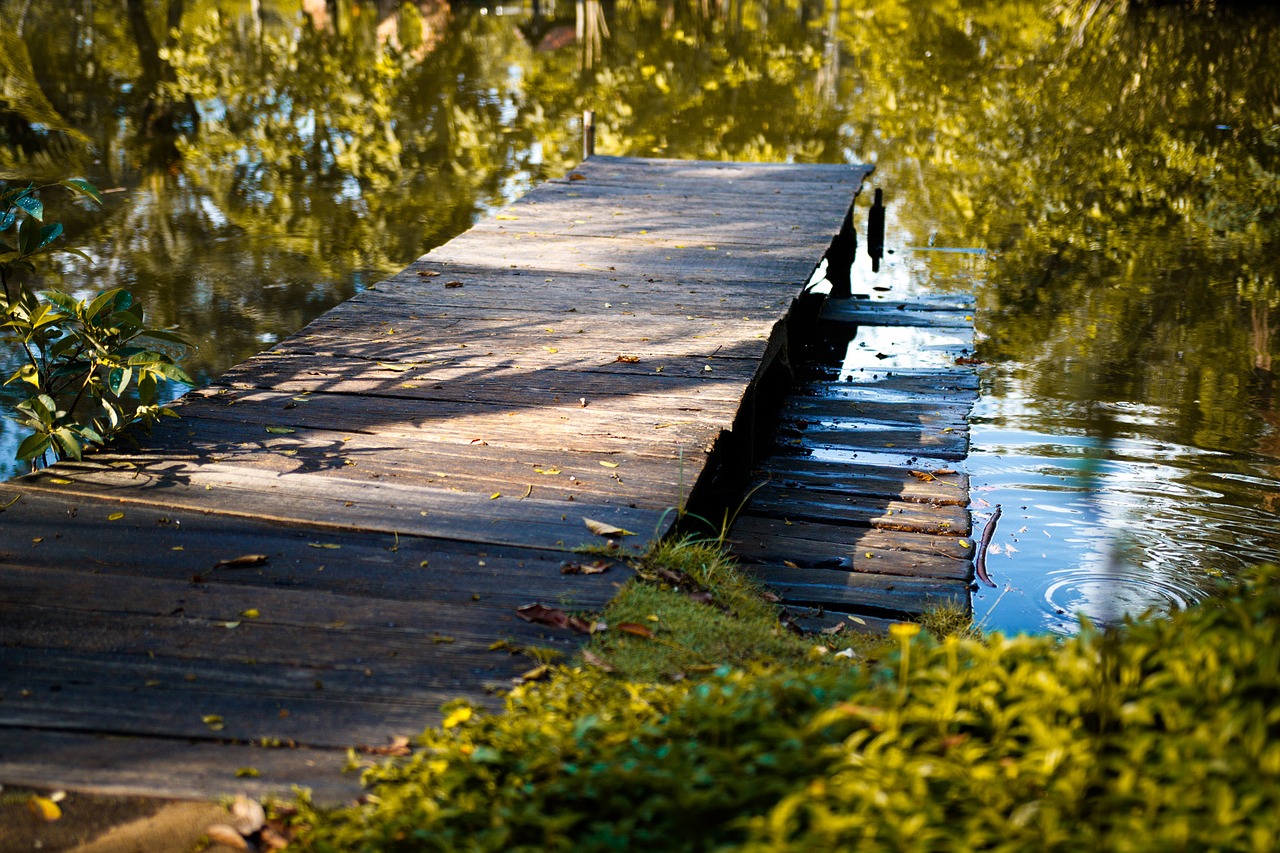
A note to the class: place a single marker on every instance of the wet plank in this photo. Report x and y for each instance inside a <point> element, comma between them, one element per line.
<point>857,591</point>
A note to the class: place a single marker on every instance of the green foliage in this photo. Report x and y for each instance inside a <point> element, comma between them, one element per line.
<point>1161,734</point>
<point>82,357</point>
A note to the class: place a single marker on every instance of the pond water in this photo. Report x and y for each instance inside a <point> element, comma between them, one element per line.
<point>1105,178</point>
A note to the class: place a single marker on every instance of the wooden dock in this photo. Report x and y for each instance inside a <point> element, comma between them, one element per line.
<point>334,537</point>
<point>862,505</point>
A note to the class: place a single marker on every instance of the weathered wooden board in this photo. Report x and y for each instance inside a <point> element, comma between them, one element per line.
<point>168,543</point>
<point>349,504</point>
<point>926,485</point>
<point>836,589</point>
<point>176,767</point>
<point>859,510</point>
<point>818,545</point>
<point>854,313</point>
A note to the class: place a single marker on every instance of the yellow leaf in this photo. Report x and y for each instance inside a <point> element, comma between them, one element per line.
<point>214,722</point>
<point>457,717</point>
<point>251,613</point>
<point>853,618</point>
<point>61,481</point>
<point>548,471</point>
<point>495,496</point>
<point>599,528</point>
<point>964,543</point>
<point>277,430</point>
<point>507,217</point>
<point>115,516</point>
<point>248,773</point>
<point>44,808</point>
<point>609,464</point>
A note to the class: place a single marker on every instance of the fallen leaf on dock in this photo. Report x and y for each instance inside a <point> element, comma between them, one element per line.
<point>400,744</point>
<point>593,568</point>
<point>627,359</point>
<point>548,471</point>
<point>278,430</point>
<point>214,722</point>
<point>241,562</point>
<point>428,273</point>
<point>536,673</point>
<point>599,528</point>
<point>597,661</point>
<point>453,284</point>
<point>44,808</point>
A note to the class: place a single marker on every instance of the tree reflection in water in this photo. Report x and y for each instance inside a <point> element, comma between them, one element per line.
<point>269,158</point>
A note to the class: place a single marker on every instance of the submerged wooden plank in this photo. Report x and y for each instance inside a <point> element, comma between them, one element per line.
<point>835,589</point>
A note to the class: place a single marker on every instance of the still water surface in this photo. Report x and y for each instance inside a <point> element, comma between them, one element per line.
<point>1113,181</point>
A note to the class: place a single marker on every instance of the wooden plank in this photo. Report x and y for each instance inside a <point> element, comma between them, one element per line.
<point>862,510</point>
<point>607,478</point>
<point>921,412</point>
<point>299,372</point>
<point>169,767</point>
<point>854,549</point>
<point>651,172</point>
<point>173,544</point>
<point>854,313</point>
<point>856,591</point>
<point>941,384</point>
<point>940,443</point>
<point>848,477</point>
<point>347,504</point>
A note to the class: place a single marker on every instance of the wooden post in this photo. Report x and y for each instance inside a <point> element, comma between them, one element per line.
<point>875,231</point>
<point>588,133</point>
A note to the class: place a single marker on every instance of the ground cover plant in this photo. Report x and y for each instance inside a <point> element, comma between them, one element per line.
<point>1163,733</point>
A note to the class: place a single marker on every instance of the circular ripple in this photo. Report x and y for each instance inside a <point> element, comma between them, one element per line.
<point>1105,597</point>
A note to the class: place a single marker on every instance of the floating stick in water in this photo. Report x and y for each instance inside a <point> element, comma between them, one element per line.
<point>980,561</point>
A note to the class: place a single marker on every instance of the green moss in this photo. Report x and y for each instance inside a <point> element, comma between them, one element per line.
<point>1163,734</point>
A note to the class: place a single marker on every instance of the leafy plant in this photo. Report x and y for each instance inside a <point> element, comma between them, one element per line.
<point>93,365</point>
<point>1159,735</point>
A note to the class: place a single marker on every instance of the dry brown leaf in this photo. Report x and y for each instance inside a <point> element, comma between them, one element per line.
<point>593,568</point>
<point>635,630</point>
<point>598,662</point>
<point>574,176</point>
<point>540,614</point>
<point>835,629</point>
<point>536,673</point>
<point>428,273</point>
<point>243,561</point>
<point>453,284</point>
<point>399,746</point>
<point>44,808</point>
<point>627,359</point>
<point>600,528</point>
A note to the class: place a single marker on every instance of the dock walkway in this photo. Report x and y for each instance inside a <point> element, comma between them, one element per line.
<point>332,539</point>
